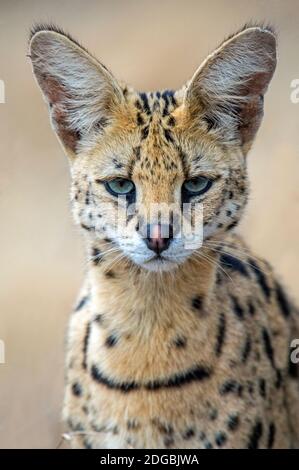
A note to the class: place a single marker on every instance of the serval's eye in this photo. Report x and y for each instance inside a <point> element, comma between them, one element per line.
<point>120,187</point>
<point>196,186</point>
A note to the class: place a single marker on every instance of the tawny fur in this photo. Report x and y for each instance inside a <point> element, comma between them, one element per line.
<point>197,356</point>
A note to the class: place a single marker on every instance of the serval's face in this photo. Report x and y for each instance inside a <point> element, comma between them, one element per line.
<point>156,175</point>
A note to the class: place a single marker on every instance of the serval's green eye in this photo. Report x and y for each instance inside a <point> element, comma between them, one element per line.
<point>120,187</point>
<point>196,186</point>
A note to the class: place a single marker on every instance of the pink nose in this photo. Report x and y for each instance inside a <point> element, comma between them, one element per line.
<point>159,237</point>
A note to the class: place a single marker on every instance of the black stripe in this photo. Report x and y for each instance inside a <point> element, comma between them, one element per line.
<point>268,347</point>
<point>271,436</point>
<point>282,300</point>
<point>81,303</point>
<point>146,107</point>
<point>198,373</point>
<point>261,278</point>
<point>220,334</point>
<point>237,308</point>
<point>88,228</point>
<point>122,386</point>
<point>246,349</point>
<point>255,436</point>
<point>168,136</point>
<point>85,346</point>
<point>234,264</point>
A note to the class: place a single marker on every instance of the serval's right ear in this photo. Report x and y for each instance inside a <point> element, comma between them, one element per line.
<point>81,93</point>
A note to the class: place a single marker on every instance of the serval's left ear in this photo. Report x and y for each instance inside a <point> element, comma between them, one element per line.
<point>81,93</point>
<point>227,90</point>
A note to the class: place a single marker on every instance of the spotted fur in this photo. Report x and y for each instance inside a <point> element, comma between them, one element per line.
<point>192,351</point>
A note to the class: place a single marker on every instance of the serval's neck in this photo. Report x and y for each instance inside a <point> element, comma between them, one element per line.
<point>129,298</point>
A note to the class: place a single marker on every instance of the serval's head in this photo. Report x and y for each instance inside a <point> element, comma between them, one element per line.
<point>155,175</point>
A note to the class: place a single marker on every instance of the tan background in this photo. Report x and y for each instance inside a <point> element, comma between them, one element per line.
<point>152,44</point>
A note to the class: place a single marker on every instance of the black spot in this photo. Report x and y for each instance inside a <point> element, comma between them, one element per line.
<point>255,436</point>
<point>230,195</point>
<point>220,438</point>
<point>220,334</point>
<point>164,428</point>
<point>231,386</point>
<point>168,136</point>
<point>251,308</point>
<point>171,121</point>
<point>133,425</point>
<point>213,414</point>
<point>77,389</point>
<point>168,441</point>
<point>180,342</point>
<point>188,434</point>
<point>96,256</point>
<point>232,225</point>
<point>208,445</point>
<point>98,318</point>
<point>87,443</point>
<point>250,387</point>
<point>76,427</point>
<point>246,349</point>
<point>237,308</point>
<point>110,274</point>
<point>140,120</point>
<point>282,300</point>
<point>228,213</point>
<point>234,264</point>
<point>197,303</point>
<point>81,303</point>
<point>85,346</point>
<point>233,422</point>
<point>271,435</point>
<point>111,341</point>
<point>144,132</point>
<point>118,165</point>
<point>262,387</point>
<point>261,278</point>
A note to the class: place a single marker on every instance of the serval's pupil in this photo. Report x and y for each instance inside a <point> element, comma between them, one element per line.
<point>180,337</point>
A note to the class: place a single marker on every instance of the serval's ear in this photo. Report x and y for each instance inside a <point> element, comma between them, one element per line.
<point>227,90</point>
<point>81,93</point>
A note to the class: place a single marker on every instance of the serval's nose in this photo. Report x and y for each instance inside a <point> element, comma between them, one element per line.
<point>158,237</point>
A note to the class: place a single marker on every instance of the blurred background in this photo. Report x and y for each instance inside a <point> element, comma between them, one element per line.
<point>151,44</point>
